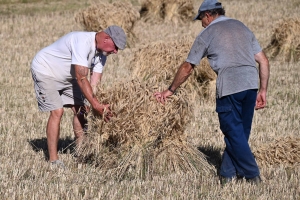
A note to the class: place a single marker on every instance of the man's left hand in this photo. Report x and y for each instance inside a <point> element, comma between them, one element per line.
<point>162,96</point>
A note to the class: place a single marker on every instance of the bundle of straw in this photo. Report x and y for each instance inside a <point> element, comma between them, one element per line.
<point>99,16</point>
<point>176,11</point>
<point>285,41</point>
<point>144,138</point>
<point>281,151</point>
<point>159,62</point>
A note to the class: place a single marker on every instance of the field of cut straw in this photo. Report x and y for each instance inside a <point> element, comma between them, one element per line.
<point>144,172</point>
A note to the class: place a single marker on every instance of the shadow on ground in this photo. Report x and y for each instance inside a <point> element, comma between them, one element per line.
<point>213,155</point>
<point>65,145</point>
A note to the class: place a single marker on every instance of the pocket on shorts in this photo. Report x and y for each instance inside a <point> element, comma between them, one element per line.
<point>225,117</point>
<point>41,95</point>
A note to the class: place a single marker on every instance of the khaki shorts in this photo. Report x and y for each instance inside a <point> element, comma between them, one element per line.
<point>49,97</point>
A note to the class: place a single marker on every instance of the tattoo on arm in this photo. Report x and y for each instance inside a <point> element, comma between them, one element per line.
<point>81,72</point>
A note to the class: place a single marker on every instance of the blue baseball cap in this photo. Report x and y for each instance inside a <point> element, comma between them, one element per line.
<point>208,5</point>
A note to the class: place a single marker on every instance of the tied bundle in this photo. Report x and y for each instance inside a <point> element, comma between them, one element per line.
<point>281,151</point>
<point>99,16</point>
<point>175,11</point>
<point>285,41</point>
<point>159,62</point>
<point>144,138</point>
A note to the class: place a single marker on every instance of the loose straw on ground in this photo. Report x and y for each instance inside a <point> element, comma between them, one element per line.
<point>281,151</point>
<point>144,138</point>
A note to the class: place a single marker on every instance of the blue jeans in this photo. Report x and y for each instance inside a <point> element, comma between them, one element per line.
<point>235,116</point>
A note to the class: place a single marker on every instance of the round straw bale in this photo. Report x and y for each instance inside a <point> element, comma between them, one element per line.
<point>176,11</point>
<point>159,62</point>
<point>99,16</point>
<point>285,41</point>
<point>144,138</point>
<point>281,151</point>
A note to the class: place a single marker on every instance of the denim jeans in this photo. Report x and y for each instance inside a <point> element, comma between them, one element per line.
<point>235,114</point>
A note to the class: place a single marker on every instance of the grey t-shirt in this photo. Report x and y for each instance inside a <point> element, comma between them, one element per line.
<point>230,48</point>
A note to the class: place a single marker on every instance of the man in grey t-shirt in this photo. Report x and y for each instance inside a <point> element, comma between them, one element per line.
<point>232,51</point>
<point>60,74</point>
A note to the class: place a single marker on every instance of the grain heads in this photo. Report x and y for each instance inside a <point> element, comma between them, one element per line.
<point>144,138</point>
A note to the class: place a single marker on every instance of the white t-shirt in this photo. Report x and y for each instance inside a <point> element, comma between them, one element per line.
<point>77,48</point>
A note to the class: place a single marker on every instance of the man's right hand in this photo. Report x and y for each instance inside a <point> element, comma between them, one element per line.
<point>104,111</point>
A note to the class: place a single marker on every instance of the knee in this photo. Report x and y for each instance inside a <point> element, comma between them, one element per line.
<point>57,113</point>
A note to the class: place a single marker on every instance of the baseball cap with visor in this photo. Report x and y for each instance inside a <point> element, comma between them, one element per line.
<point>207,5</point>
<point>118,36</point>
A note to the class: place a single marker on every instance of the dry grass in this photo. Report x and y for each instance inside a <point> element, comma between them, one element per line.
<point>176,11</point>
<point>100,15</point>
<point>285,41</point>
<point>24,172</point>
<point>281,151</point>
<point>144,138</point>
<point>159,61</point>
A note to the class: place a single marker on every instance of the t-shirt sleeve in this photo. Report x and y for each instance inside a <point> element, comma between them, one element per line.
<point>80,52</point>
<point>197,51</point>
<point>255,45</point>
<point>99,64</point>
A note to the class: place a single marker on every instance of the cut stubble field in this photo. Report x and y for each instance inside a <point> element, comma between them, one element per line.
<point>24,171</point>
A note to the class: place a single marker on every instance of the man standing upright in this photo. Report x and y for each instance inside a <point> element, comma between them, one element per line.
<point>60,73</point>
<point>232,51</point>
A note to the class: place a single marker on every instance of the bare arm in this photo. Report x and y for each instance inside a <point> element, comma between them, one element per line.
<point>95,79</point>
<point>181,76</point>
<point>81,74</point>
<point>264,73</point>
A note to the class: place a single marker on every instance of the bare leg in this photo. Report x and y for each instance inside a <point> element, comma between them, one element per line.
<point>53,128</point>
<point>79,122</point>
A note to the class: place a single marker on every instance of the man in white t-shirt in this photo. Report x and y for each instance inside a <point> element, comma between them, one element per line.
<point>60,73</point>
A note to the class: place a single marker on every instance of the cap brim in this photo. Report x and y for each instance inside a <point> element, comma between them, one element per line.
<point>196,18</point>
<point>120,46</point>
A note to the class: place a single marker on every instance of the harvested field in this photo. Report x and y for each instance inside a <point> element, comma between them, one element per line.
<point>27,26</point>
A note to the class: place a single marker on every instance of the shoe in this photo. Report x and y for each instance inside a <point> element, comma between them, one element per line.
<point>58,164</point>
<point>224,180</point>
<point>256,180</point>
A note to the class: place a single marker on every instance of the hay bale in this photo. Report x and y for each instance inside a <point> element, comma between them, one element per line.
<point>176,11</point>
<point>281,151</point>
<point>159,62</point>
<point>99,16</point>
<point>285,41</point>
<point>145,138</point>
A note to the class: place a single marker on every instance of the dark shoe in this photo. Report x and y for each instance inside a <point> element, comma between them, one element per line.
<point>224,180</point>
<point>256,180</point>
